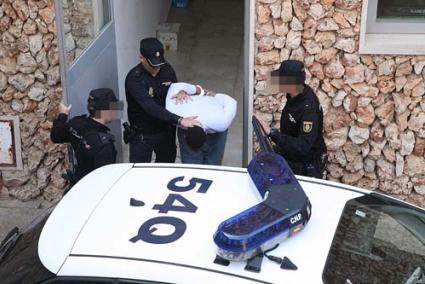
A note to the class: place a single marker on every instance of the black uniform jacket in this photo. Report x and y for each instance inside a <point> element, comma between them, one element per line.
<point>301,128</point>
<point>146,99</point>
<point>94,149</point>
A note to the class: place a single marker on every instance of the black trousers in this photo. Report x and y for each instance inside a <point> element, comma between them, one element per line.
<point>163,144</point>
<point>314,169</point>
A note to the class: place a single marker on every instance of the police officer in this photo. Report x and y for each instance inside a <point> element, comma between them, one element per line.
<point>146,87</point>
<point>300,138</point>
<point>89,136</point>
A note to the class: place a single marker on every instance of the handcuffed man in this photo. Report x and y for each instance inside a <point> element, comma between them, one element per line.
<point>204,144</point>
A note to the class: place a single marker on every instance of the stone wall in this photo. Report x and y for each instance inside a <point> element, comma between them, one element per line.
<point>374,105</point>
<point>30,89</point>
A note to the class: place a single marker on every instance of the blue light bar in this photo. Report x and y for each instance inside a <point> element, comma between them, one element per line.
<point>284,212</point>
<point>267,169</point>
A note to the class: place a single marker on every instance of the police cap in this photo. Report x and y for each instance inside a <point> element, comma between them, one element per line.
<point>102,99</point>
<point>292,69</point>
<point>153,50</point>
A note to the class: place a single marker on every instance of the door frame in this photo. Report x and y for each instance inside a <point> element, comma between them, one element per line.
<point>61,47</point>
<point>248,103</point>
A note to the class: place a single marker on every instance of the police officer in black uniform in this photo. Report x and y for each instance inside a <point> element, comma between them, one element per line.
<point>91,140</point>
<point>153,127</point>
<point>300,138</point>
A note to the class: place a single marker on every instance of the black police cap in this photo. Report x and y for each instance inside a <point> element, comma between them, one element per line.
<point>291,68</point>
<point>101,99</point>
<point>153,50</point>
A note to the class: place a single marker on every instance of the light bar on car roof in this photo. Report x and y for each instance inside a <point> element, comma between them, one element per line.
<point>285,210</point>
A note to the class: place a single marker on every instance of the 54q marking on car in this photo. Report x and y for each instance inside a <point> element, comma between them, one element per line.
<point>147,230</point>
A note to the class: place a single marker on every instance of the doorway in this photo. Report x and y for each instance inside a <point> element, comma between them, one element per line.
<point>210,53</point>
<point>216,47</point>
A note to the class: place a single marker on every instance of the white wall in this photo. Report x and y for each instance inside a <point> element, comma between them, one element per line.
<point>134,20</point>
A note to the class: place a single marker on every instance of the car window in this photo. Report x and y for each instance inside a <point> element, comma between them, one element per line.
<point>377,240</point>
<point>20,262</point>
<point>388,230</point>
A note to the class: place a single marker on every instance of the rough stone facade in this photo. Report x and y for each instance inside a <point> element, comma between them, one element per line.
<point>30,89</point>
<point>374,105</point>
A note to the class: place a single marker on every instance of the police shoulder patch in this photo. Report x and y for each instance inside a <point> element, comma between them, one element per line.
<point>307,126</point>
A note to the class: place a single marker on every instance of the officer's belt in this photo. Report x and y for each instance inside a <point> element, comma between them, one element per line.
<point>137,128</point>
<point>140,130</point>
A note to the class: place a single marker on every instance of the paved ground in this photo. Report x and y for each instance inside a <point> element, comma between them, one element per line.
<point>15,213</point>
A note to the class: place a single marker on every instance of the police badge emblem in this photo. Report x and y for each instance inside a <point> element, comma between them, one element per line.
<point>150,91</point>
<point>307,126</point>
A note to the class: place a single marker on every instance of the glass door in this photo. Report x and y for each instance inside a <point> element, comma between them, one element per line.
<point>86,35</point>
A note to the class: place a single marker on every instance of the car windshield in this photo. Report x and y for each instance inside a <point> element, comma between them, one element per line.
<point>378,240</point>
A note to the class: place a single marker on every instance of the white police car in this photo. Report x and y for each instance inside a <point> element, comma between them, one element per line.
<point>154,223</point>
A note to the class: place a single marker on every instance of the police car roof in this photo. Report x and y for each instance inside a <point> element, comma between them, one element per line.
<point>94,231</point>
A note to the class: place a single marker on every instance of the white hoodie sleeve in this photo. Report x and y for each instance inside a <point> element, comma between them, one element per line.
<point>224,120</point>
<point>170,103</point>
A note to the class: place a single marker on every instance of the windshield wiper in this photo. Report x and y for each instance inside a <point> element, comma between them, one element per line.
<point>8,242</point>
<point>417,277</point>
